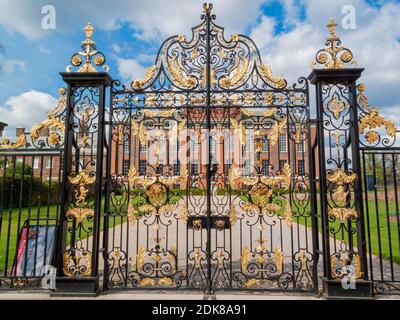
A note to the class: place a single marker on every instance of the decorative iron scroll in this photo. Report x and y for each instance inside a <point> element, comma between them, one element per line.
<point>80,181</point>
<point>371,123</point>
<point>207,86</point>
<point>89,54</point>
<point>54,125</point>
<point>334,56</point>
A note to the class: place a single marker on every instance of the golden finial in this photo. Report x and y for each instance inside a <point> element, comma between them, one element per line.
<point>207,7</point>
<point>334,56</point>
<point>89,53</point>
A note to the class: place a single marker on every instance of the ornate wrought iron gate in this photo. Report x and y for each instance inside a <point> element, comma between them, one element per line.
<point>209,172</point>
<point>206,174</point>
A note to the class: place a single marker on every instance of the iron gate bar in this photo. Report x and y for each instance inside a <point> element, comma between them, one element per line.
<point>135,99</point>
<point>246,214</point>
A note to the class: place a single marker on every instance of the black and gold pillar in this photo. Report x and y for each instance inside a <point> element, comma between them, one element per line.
<point>345,271</point>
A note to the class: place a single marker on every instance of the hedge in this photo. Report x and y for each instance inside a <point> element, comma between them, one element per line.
<point>27,191</point>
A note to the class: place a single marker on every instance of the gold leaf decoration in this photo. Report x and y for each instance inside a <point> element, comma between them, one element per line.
<point>233,215</point>
<point>266,72</point>
<point>340,177</point>
<point>140,258</point>
<point>149,75</point>
<point>79,213</point>
<point>168,282</point>
<point>342,213</point>
<point>177,71</point>
<point>184,215</point>
<point>7,144</point>
<point>336,107</point>
<point>276,130</point>
<point>237,73</point>
<point>239,130</point>
<point>147,282</point>
<point>334,56</point>
<point>252,283</point>
<point>278,259</point>
<point>244,259</point>
<point>288,215</point>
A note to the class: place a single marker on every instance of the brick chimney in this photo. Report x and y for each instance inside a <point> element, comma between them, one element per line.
<point>19,131</point>
<point>2,126</point>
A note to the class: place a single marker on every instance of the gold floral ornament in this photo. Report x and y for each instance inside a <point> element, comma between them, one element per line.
<point>334,56</point>
<point>336,107</point>
<point>371,119</point>
<point>53,122</point>
<point>7,144</point>
<point>83,59</point>
<point>340,262</point>
<point>340,194</point>
<point>77,261</point>
<point>237,74</point>
<point>82,179</point>
<point>266,73</point>
<point>149,75</point>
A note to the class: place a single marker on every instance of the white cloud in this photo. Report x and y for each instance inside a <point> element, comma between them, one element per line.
<point>374,44</point>
<point>25,110</point>
<point>43,49</point>
<point>130,69</point>
<point>14,65</point>
<point>151,19</point>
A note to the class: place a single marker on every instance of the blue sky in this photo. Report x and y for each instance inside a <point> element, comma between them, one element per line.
<point>129,33</point>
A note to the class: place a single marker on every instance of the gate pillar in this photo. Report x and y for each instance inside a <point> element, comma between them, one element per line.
<point>345,271</point>
<point>77,255</point>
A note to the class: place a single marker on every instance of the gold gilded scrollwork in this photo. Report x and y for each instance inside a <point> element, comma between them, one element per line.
<point>244,260</point>
<point>90,52</point>
<point>252,283</point>
<point>149,75</point>
<point>278,259</point>
<point>53,123</point>
<point>178,73</point>
<point>336,107</point>
<point>7,144</point>
<point>276,130</point>
<point>334,56</point>
<point>266,72</point>
<point>240,130</point>
<point>340,262</point>
<point>340,194</point>
<point>288,214</point>
<point>371,119</point>
<point>237,73</point>
<point>340,179</point>
<point>147,282</point>
<point>77,261</point>
<point>82,179</point>
<point>342,213</point>
<point>79,213</point>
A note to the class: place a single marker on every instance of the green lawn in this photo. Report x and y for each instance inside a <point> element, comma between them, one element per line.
<point>376,221</point>
<point>18,217</point>
<point>10,227</point>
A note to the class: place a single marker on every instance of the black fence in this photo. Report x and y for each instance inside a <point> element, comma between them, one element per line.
<point>381,179</point>
<point>29,213</point>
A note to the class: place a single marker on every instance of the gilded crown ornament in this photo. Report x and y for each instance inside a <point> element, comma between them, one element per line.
<point>83,60</point>
<point>334,56</point>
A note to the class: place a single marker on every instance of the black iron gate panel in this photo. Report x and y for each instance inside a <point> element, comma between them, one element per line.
<point>209,172</point>
<point>381,199</point>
